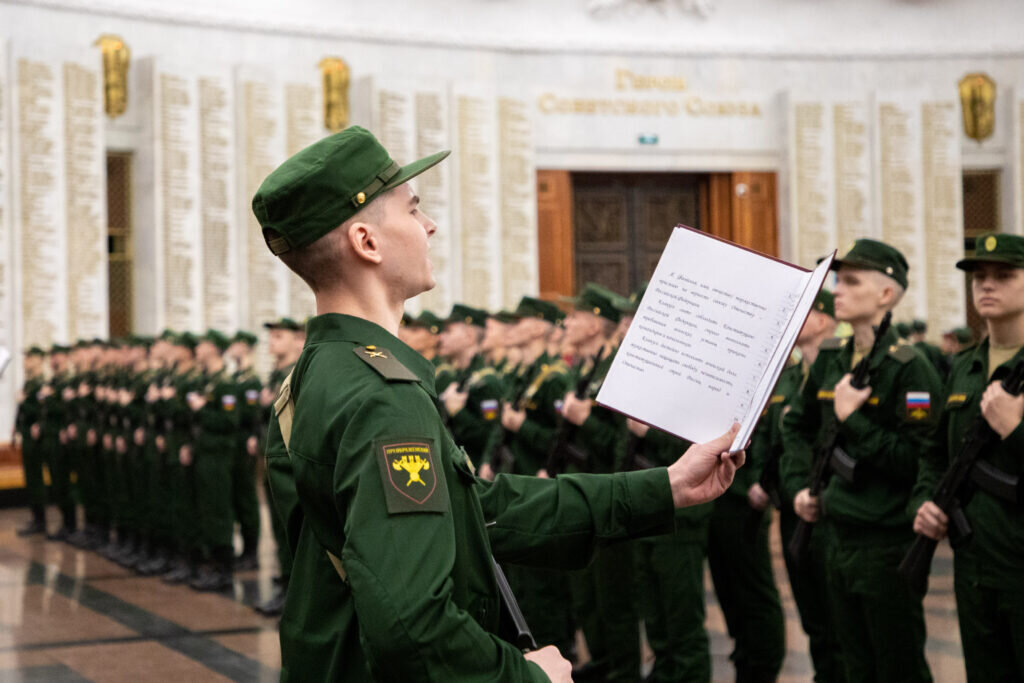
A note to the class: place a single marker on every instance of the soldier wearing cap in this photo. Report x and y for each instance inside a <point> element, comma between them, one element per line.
<point>215,437</point>
<point>988,570</point>
<point>604,603</point>
<point>421,334</point>
<point>806,578</point>
<point>392,577</point>
<point>244,502</point>
<point>472,403</point>
<point>918,329</point>
<point>28,431</point>
<point>285,341</point>
<point>57,395</point>
<point>878,619</point>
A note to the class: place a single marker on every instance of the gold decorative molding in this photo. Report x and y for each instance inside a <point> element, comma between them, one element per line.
<point>335,82</point>
<point>116,58</point>
<point>977,102</point>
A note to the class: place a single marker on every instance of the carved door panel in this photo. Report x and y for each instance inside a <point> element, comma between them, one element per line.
<point>621,223</point>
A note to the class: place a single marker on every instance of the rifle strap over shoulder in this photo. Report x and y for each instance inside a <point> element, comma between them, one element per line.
<point>284,408</point>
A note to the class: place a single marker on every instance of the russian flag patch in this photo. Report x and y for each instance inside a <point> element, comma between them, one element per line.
<point>228,401</point>
<point>489,409</point>
<point>919,405</point>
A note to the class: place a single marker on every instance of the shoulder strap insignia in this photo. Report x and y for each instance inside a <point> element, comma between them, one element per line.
<point>904,353</point>
<point>385,363</point>
<point>833,344</point>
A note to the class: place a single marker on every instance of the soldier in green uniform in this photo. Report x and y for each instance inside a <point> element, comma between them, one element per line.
<point>392,533</point>
<point>806,577</point>
<point>216,416</point>
<point>989,569</point>
<point>604,602</point>
<point>421,333</point>
<point>82,434</point>
<point>244,502</point>
<point>918,330</point>
<point>285,342</point>
<point>57,395</point>
<point>878,619</point>
<point>28,429</point>
<point>157,460</point>
<point>472,405</point>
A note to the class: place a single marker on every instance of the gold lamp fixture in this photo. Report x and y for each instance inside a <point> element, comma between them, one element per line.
<point>977,102</point>
<point>335,82</point>
<point>116,57</point>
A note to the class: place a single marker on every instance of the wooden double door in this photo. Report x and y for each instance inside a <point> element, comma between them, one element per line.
<point>610,228</point>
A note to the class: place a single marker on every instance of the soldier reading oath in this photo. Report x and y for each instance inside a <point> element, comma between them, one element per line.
<point>392,533</point>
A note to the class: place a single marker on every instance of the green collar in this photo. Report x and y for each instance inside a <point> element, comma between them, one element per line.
<point>979,357</point>
<point>336,327</point>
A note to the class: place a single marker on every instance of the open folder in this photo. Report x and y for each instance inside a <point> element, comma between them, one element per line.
<point>711,337</point>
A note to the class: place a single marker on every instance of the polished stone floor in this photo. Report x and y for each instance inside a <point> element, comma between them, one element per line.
<point>70,616</point>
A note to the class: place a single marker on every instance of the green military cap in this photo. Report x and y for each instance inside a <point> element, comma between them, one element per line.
<point>630,304</point>
<point>35,351</point>
<point>600,301</point>
<point>144,340</point>
<point>430,321</point>
<point>507,317</point>
<point>169,336</point>
<point>825,302</point>
<point>186,339</point>
<point>247,338</point>
<point>874,255</point>
<point>59,348</point>
<point>903,329</point>
<point>466,314</point>
<point>531,307</point>
<point>283,324</point>
<point>407,320</point>
<point>963,335</point>
<point>217,338</point>
<point>995,247</point>
<point>325,184</point>
<point>919,326</point>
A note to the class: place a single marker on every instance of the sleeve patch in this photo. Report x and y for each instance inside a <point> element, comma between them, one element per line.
<point>412,475</point>
<point>228,401</point>
<point>919,405</point>
<point>489,409</point>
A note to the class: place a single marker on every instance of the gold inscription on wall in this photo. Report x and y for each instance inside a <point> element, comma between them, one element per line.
<point>692,106</point>
<point>627,80</point>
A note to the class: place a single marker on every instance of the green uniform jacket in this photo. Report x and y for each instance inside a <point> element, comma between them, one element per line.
<point>995,555</point>
<point>602,436</point>
<point>886,435</point>
<point>384,488</point>
<point>542,402</point>
<point>31,408</point>
<point>477,427</point>
<point>766,448</point>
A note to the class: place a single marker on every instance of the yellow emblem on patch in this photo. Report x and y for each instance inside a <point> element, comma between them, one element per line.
<point>826,395</point>
<point>956,399</point>
<point>990,243</point>
<point>412,465</point>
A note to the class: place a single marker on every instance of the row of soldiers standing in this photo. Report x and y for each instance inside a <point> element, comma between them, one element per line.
<point>517,387</point>
<point>158,440</point>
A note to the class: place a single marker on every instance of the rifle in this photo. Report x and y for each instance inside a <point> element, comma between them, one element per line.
<point>564,449</point>
<point>518,630</point>
<point>965,474</point>
<point>504,453</point>
<point>460,387</point>
<point>821,472</point>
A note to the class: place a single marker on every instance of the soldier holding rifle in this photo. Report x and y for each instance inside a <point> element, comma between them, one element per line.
<point>989,566</point>
<point>882,429</point>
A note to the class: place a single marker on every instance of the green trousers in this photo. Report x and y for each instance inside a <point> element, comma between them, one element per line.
<point>212,470</point>
<point>58,459</point>
<point>991,630</point>
<point>32,465</point>
<point>670,570</point>
<point>245,504</point>
<point>90,480</point>
<point>741,569</point>
<point>810,592</point>
<point>879,620</point>
<point>604,605</point>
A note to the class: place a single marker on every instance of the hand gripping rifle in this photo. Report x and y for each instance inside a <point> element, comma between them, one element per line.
<point>821,472</point>
<point>966,473</point>
<point>460,387</point>
<point>502,451</point>
<point>564,449</point>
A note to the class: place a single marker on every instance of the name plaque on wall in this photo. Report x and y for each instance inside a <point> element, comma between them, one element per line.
<point>518,194</point>
<point>812,180</point>
<point>219,213</point>
<point>176,113</point>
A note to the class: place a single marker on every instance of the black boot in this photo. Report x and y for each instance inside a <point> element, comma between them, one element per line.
<point>217,575</point>
<point>38,523</point>
<point>275,605</point>
<point>179,571</point>
<point>98,537</point>
<point>249,559</point>
<point>157,564</point>
<point>127,549</point>
<point>110,549</point>
<point>140,554</point>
